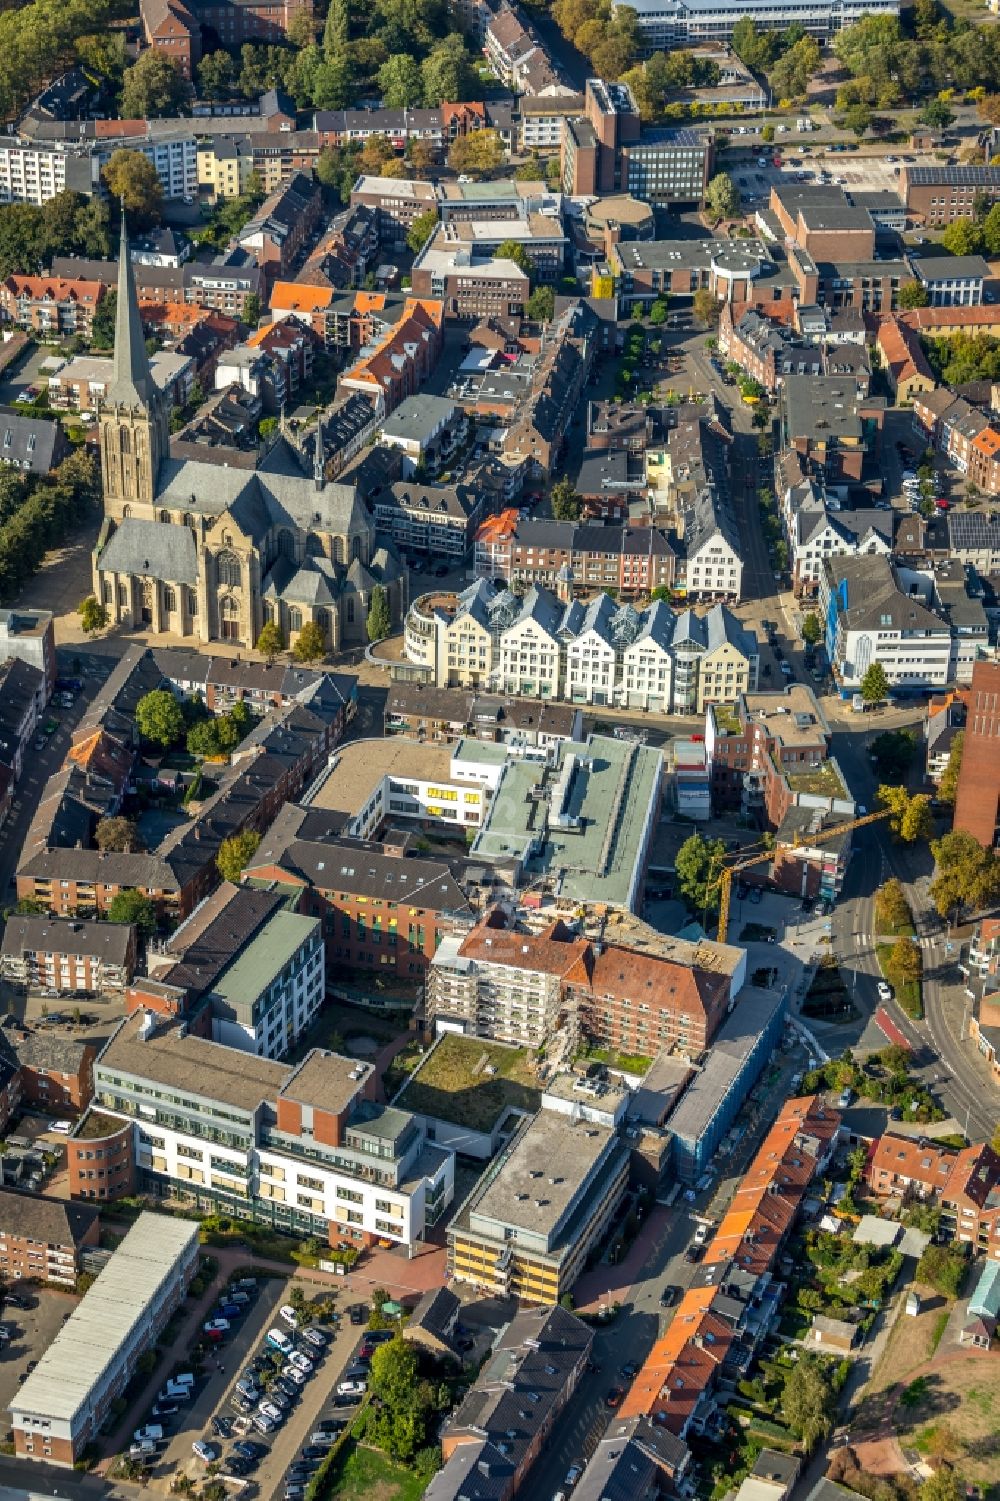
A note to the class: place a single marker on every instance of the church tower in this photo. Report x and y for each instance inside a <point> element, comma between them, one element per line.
<point>133,414</point>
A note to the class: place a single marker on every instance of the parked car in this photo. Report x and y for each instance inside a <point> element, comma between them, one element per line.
<point>358,1313</point>
<point>288,1314</point>
<point>222,1428</point>
<point>669,1295</point>
<point>292,1373</point>
<point>247,1449</point>
<point>614,1397</point>
<point>279,1340</point>
<point>206,1451</point>
<point>302,1361</point>
<point>884,991</point>
<point>351,1388</point>
<point>263,1423</point>
<point>272,1411</point>
<point>315,1337</point>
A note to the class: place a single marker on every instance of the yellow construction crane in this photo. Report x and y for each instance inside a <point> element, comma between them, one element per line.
<point>726,877</point>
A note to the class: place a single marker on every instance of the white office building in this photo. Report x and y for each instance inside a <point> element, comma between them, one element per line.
<point>682,23</point>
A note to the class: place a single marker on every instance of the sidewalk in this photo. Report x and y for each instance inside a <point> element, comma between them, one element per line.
<point>613,1284</point>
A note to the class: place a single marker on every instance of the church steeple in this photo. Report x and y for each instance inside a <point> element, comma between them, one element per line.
<point>132,384</point>
<point>133,416</point>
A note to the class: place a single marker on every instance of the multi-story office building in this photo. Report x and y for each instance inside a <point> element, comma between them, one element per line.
<point>938,194</point>
<point>257,968</point>
<point>62,1405</point>
<point>302,1147</point>
<point>667,24</point>
<point>868,617</point>
<point>529,1225</point>
<point>42,1239</point>
<point>668,167</point>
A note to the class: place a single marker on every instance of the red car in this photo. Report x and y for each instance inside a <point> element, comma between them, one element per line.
<point>614,1397</point>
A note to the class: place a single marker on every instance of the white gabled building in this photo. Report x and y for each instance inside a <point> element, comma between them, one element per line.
<point>817,528</point>
<point>530,649</point>
<point>647,662</point>
<point>870,618</point>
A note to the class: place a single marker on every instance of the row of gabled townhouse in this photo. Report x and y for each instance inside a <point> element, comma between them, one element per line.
<point>601,652</point>
<point>720,1322</point>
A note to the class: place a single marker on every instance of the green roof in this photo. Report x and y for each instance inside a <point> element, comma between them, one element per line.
<point>262,961</point>
<point>484,751</point>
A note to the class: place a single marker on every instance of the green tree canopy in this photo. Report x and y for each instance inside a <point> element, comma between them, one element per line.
<point>697,866</point>
<point>913,294</point>
<point>160,718</point>
<point>808,1401</point>
<point>949,780</point>
<point>812,631</point>
<point>966,875</point>
<point>401,82</point>
<point>131,178</point>
<point>722,197</point>
<point>875,684</point>
<point>153,87</point>
<point>118,834</point>
<point>566,503</point>
<point>235,854</point>
<point>131,906</point>
<point>963,237</point>
<point>893,752</point>
<point>911,818</point>
<point>379,618</point>
<point>310,643</point>
<point>541,305</point>
<point>270,642</point>
<point>513,250</point>
<point>93,615</point>
<point>421,229</point>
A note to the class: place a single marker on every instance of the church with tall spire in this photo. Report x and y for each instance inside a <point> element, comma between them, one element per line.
<point>211,552</point>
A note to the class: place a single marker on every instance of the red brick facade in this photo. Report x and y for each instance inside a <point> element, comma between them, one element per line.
<point>102,1167</point>
<point>977,806</point>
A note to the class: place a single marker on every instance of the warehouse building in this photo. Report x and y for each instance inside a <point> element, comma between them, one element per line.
<point>62,1404</point>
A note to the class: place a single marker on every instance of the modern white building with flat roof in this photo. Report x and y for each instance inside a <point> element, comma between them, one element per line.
<point>679,23</point>
<point>92,1359</point>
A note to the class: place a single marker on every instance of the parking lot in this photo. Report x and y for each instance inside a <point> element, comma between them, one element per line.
<point>213,1411</point>
<point>32,1331</point>
<point>846,168</point>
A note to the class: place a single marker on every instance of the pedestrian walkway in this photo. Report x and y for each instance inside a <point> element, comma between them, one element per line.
<point>605,1284</point>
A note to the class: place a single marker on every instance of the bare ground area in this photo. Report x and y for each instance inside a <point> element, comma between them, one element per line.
<point>933,1395</point>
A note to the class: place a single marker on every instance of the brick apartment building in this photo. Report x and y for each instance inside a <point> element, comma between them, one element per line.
<point>57,1072</point>
<point>42,1239</point>
<point>51,305</point>
<point>977,805</point>
<point>67,955</point>
<point>179,28</point>
<point>380,910</point>
<point>965,1185</point>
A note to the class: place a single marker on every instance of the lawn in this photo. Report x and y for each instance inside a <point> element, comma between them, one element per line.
<point>366,1472</point>
<point>821,781</point>
<point>472,1082</point>
<point>909,995</point>
<point>954,1411</point>
<point>629,1063</point>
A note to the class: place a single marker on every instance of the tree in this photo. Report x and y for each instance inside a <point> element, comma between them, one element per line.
<point>301,30</point>
<point>808,1401</point>
<point>697,867</point>
<point>966,875</point>
<point>566,503</point>
<point>131,906</point>
<point>659,312</point>
<point>310,644</point>
<point>153,87</point>
<point>905,962</point>
<point>449,75</point>
<point>792,72</point>
<point>722,197</point>
<point>421,229</point>
<point>251,303</point>
<point>402,1404</point>
<point>943,1268</point>
<point>235,854</point>
<point>102,325</point>
<point>812,631</point>
<point>513,250</point>
<point>937,114</point>
<point>132,179</point>
<point>913,294</point>
<point>891,907</point>
<point>858,119</point>
<point>93,615</point>
<point>216,75</point>
<point>401,82</point>
<point>963,237</point>
<point>203,739</point>
<point>337,31</point>
<point>270,641</point>
<point>379,618</point>
<point>476,154</point>
<point>875,684</point>
<point>911,817</point>
<point>948,785</point>
<point>118,834</point>
<point>160,718</point>
<point>704,303</point>
<point>541,305</point>
<point>893,753</point>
